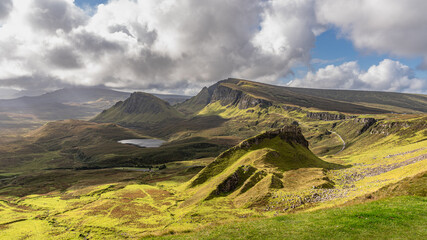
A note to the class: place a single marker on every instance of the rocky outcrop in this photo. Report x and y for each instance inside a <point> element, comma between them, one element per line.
<point>325,116</point>
<point>234,181</point>
<point>229,96</point>
<point>291,134</point>
<point>290,108</point>
<point>367,123</point>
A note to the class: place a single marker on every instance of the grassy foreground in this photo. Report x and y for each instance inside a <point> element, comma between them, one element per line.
<point>395,218</point>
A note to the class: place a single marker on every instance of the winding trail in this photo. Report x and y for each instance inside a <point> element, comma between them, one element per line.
<point>343,142</point>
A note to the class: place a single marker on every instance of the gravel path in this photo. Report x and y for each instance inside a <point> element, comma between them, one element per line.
<point>343,142</point>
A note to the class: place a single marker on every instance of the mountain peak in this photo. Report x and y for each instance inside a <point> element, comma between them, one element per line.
<point>139,108</point>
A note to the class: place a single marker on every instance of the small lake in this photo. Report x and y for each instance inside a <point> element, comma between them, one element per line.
<point>145,143</point>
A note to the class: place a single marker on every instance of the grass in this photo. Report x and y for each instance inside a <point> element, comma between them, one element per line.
<point>125,202</point>
<point>396,218</point>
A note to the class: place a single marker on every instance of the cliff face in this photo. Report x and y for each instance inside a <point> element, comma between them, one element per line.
<point>290,134</point>
<point>402,128</point>
<point>367,123</point>
<point>229,96</point>
<point>225,95</point>
<point>327,116</point>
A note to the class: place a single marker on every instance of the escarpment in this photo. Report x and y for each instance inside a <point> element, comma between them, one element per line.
<point>325,116</point>
<point>228,96</point>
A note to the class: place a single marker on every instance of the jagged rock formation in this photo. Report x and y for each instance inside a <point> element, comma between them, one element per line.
<point>403,127</point>
<point>228,96</point>
<point>256,165</point>
<point>246,94</point>
<point>367,123</point>
<point>197,102</point>
<point>225,94</point>
<point>325,116</point>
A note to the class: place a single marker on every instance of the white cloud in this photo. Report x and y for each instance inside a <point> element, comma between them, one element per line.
<point>388,75</point>
<point>179,46</point>
<point>394,27</point>
<point>157,44</point>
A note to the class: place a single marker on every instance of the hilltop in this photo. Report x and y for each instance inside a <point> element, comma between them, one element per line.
<point>139,108</point>
<point>249,170</point>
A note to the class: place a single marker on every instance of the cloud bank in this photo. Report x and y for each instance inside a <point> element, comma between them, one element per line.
<point>388,75</point>
<point>179,46</point>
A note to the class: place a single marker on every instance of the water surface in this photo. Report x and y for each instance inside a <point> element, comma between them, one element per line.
<point>145,143</point>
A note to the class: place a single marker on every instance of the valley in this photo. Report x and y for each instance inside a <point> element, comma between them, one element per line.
<point>237,160</point>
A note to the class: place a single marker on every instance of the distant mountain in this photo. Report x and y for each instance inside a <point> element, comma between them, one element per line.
<point>71,103</point>
<point>139,109</point>
<point>171,98</point>
<point>244,94</point>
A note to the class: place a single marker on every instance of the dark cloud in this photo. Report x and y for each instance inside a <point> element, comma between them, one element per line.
<point>36,81</point>
<point>52,15</point>
<point>64,57</point>
<point>5,7</point>
<point>91,43</point>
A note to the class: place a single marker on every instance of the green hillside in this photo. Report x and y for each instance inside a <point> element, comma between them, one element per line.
<point>249,170</point>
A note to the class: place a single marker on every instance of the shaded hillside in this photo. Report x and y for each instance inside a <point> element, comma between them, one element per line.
<point>249,170</point>
<point>139,108</point>
<point>197,102</point>
<point>416,102</point>
<point>72,103</point>
<point>245,94</point>
<point>77,144</point>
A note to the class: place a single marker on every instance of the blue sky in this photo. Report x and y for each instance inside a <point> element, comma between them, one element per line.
<point>92,3</point>
<point>337,50</point>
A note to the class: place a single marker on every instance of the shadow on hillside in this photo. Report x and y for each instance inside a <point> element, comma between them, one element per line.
<point>171,126</point>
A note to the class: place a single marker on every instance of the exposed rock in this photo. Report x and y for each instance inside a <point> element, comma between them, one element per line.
<point>234,181</point>
<point>367,123</point>
<point>290,134</point>
<point>229,96</point>
<point>402,128</point>
<point>290,108</point>
<point>328,116</point>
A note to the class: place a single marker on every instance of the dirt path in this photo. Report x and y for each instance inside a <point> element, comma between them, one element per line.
<point>343,142</point>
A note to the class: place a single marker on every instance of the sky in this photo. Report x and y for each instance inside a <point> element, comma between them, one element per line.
<point>169,46</point>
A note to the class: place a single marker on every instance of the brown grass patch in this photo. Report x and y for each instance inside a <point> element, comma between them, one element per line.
<point>158,194</point>
<point>133,211</point>
<point>133,194</point>
<point>101,209</point>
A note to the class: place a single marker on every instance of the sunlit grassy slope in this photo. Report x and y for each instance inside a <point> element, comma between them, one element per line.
<point>241,188</point>
<point>126,203</point>
<point>396,218</point>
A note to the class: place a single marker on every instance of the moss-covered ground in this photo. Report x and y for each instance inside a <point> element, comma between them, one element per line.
<point>131,202</point>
